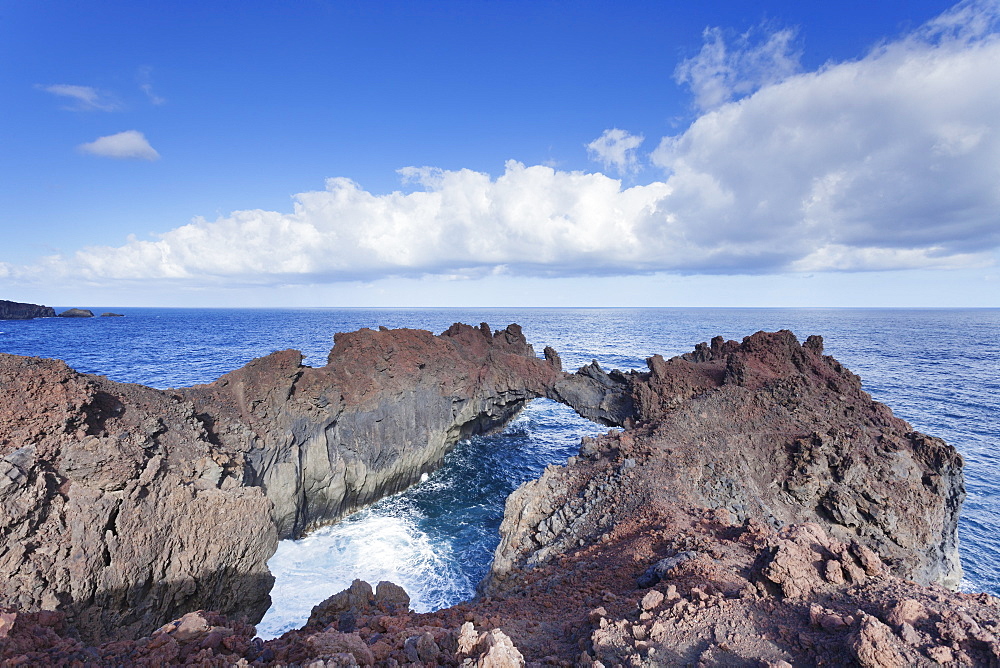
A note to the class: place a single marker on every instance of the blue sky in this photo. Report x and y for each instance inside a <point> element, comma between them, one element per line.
<point>500,153</point>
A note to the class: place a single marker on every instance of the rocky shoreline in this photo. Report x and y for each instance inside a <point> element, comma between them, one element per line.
<point>758,507</point>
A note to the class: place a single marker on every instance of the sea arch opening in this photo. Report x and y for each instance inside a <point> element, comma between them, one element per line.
<point>435,539</point>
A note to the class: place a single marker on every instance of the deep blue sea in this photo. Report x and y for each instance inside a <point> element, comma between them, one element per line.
<point>937,368</point>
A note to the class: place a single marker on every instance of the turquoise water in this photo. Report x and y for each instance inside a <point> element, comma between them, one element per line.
<point>937,368</point>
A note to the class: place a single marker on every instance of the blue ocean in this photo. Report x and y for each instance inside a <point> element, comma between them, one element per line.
<point>937,368</point>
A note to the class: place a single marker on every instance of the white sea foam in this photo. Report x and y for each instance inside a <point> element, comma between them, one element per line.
<point>380,543</point>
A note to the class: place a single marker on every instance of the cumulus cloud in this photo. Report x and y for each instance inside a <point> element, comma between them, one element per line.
<point>130,144</point>
<point>530,219</point>
<point>721,71</point>
<point>888,162</point>
<point>616,150</point>
<point>84,98</point>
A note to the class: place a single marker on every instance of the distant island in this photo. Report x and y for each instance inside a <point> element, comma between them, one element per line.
<point>20,311</point>
<point>77,313</point>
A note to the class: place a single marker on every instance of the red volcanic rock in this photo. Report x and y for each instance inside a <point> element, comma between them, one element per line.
<point>766,429</point>
<point>106,492</point>
<point>125,507</point>
<point>758,509</point>
<point>386,408</point>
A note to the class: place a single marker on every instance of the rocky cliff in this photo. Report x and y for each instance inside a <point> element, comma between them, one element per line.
<point>758,509</point>
<point>766,429</point>
<point>20,311</point>
<point>126,506</point>
<point>386,408</point>
<point>118,509</point>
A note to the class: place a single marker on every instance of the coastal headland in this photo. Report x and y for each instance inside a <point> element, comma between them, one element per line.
<point>21,311</point>
<point>754,506</point>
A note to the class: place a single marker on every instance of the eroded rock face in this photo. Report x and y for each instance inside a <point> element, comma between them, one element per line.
<point>124,507</point>
<point>116,507</point>
<point>597,395</point>
<point>766,429</point>
<point>385,409</point>
<point>21,311</point>
<point>757,471</point>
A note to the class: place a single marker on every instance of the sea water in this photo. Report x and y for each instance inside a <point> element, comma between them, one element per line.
<point>937,368</point>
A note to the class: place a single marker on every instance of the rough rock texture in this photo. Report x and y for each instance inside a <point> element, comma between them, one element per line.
<point>385,409</point>
<point>77,313</point>
<point>125,506</point>
<point>117,508</point>
<point>596,395</point>
<point>758,509</point>
<point>586,608</point>
<point>21,311</point>
<point>766,429</point>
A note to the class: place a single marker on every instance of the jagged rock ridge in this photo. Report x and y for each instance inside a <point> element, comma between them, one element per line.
<point>767,429</point>
<point>763,434</point>
<point>126,506</point>
<point>386,408</point>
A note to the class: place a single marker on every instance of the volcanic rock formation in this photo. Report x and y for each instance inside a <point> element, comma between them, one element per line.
<point>126,506</point>
<point>384,410</point>
<point>22,311</point>
<point>116,507</point>
<point>758,507</point>
<point>767,429</point>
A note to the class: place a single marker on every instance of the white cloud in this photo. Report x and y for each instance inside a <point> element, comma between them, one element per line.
<point>616,149</point>
<point>153,97</point>
<point>719,72</point>
<point>529,219</point>
<point>889,162</point>
<point>130,144</point>
<point>85,98</point>
<point>884,162</point>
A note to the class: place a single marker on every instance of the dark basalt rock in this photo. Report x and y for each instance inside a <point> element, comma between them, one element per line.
<point>21,311</point>
<point>77,313</point>
<point>596,395</point>
<point>112,315</point>
<point>385,409</point>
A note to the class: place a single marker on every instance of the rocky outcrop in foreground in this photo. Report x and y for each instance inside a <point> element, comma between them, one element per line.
<point>21,311</point>
<point>124,507</point>
<point>721,594</point>
<point>766,429</point>
<point>117,509</point>
<point>758,509</point>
